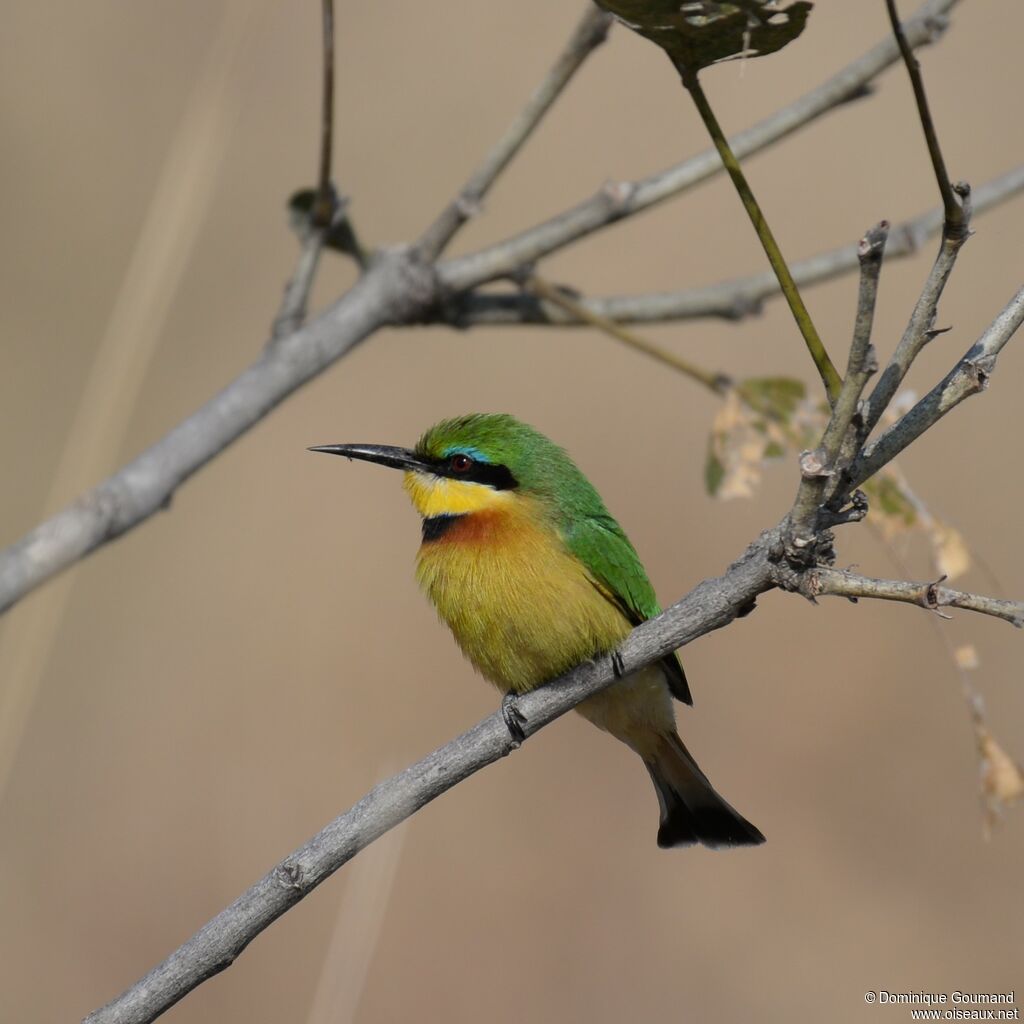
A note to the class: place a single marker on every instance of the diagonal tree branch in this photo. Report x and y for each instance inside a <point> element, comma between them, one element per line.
<point>396,289</point>
<point>619,200</point>
<point>711,605</point>
<point>731,300</point>
<point>591,31</point>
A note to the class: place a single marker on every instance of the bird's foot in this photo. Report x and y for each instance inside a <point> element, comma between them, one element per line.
<point>618,665</point>
<point>514,719</point>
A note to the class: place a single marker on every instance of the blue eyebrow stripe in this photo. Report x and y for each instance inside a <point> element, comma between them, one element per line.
<point>461,449</point>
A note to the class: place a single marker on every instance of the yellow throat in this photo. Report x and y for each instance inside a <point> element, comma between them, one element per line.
<point>521,606</point>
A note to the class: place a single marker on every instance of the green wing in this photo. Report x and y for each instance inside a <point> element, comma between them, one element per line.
<point>615,569</point>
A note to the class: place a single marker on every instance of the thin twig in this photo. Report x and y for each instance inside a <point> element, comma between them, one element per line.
<point>956,221</point>
<point>711,605</point>
<point>719,383</point>
<point>296,293</point>
<point>839,583</point>
<point>968,377</point>
<point>827,372</point>
<point>323,209</point>
<point>917,334</point>
<point>956,201</point>
<point>619,200</point>
<point>591,31</point>
<point>730,300</point>
<point>819,467</point>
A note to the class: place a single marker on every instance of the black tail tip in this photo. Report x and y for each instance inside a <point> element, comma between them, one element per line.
<point>714,827</point>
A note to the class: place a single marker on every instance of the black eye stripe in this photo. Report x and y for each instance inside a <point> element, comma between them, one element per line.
<point>498,477</point>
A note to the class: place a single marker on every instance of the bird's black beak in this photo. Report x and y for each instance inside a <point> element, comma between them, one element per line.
<point>384,454</point>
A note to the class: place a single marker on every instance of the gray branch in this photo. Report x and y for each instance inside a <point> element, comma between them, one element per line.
<point>819,467</point>
<point>919,329</point>
<point>933,596</point>
<point>970,375</point>
<point>619,200</point>
<point>711,605</point>
<point>730,300</point>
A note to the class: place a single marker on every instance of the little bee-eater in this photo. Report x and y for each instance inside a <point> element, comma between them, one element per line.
<point>533,576</point>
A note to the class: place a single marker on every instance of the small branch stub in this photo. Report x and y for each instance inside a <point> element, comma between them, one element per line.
<point>814,464</point>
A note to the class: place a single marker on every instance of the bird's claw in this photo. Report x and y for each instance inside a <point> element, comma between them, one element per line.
<point>514,719</point>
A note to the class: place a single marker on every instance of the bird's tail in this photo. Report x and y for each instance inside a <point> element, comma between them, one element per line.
<point>691,810</point>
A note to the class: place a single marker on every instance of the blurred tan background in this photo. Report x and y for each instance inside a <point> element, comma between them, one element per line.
<point>227,678</point>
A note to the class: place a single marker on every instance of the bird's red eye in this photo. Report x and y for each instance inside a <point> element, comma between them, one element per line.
<point>461,463</point>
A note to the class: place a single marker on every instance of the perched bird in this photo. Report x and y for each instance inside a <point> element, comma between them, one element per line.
<point>532,574</point>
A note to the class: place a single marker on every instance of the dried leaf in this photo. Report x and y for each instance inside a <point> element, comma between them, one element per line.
<point>966,657</point>
<point>952,557</point>
<point>1002,781</point>
<point>736,449</point>
<point>697,33</point>
<point>761,418</point>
